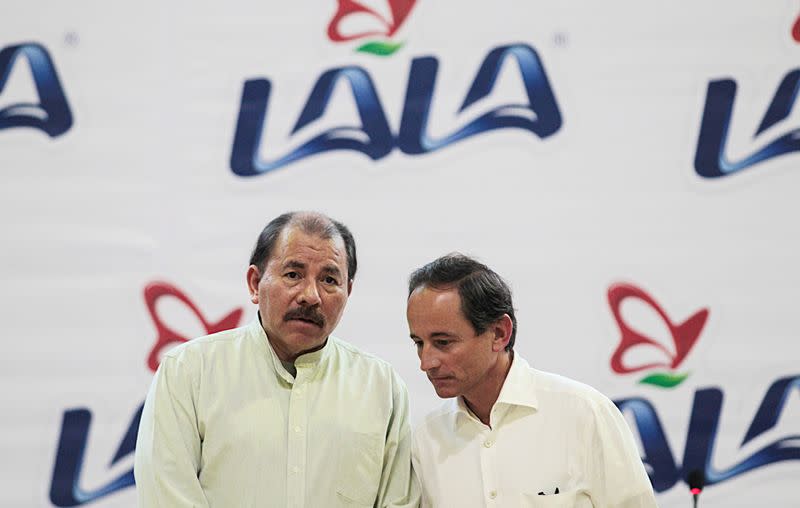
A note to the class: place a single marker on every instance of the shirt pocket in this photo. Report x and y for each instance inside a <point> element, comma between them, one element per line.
<point>359,468</point>
<point>560,500</point>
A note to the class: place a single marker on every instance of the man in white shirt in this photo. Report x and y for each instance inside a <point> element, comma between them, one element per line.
<point>280,412</point>
<point>512,436</point>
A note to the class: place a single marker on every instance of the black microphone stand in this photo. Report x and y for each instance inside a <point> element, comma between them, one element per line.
<point>696,480</point>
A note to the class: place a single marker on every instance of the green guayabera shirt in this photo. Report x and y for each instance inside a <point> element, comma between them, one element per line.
<point>225,425</point>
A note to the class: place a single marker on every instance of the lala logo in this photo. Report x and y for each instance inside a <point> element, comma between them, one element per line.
<point>375,133</point>
<point>711,157</point>
<point>376,25</point>
<point>66,488</point>
<point>664,465</point>
<point>684,336</point>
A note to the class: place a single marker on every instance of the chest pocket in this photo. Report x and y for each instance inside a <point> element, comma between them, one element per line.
<point>562,500</point>
<point>359,468</point>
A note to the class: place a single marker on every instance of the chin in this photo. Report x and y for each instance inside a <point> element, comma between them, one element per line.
<point>446,394</point>
<point>310,342</point>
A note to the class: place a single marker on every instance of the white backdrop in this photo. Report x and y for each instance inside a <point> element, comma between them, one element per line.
<point>126,181</point>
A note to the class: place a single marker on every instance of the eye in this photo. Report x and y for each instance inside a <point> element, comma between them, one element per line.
<point>418,344</point>
<point>442,343</point>
<point>331,280</point>
<point>292,275</point>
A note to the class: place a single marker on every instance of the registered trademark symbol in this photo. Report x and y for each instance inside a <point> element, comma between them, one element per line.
<point>71,39</point>
<point>560,39</point>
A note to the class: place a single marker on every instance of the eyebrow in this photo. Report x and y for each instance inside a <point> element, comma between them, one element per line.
<point>332,270</point>
<point>294,264</point>
<point>436,335</point>
<point>299,265</point>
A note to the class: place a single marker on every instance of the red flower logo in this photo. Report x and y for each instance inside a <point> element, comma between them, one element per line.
<point>385,28</point>
<point>796,30</point>
<point>684,337</point>
<point>167,337</point>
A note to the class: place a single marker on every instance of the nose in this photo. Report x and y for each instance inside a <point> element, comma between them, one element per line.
<point>428,359</point>
<point>309,294</point>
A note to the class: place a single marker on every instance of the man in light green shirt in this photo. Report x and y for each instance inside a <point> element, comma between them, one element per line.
<point>279,413</point>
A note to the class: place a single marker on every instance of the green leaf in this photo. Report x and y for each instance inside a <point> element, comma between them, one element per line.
<point>380,48</point>
<point>664,380</point>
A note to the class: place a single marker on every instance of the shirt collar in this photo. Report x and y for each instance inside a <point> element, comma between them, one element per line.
<point>307,361</point>
<point>314,358</point>
<point>519,389</point>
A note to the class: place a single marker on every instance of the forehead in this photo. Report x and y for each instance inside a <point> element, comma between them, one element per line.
<point>435,307</point>
<point>294,244</point>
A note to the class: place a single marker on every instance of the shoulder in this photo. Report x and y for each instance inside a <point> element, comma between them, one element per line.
<point>359,358</point>
<point>368,366</point>
<point>579,399</point>
<point>202,347</point>
<point>355,358</point>
<point>441,419</point>
<point>550,383</point>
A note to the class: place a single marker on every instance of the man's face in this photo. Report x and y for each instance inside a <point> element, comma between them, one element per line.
<point>455,358</point>
<point>302,291</point>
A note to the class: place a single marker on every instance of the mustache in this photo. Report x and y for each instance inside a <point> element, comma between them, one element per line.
<point>311,314</point>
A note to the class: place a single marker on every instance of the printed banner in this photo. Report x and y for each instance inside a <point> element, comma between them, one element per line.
<point>628,167</point>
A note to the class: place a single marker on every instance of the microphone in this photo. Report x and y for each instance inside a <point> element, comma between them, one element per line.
<point>696,480</point>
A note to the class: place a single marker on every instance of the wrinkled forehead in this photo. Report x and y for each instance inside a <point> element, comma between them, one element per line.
<point>294,243</point>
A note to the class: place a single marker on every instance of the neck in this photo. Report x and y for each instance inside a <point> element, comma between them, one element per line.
<point>480,400</point>
<point>284,354</point>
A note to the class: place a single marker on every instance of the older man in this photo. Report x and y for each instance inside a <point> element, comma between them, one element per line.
<point>279,412</point>
<point>513,436</point>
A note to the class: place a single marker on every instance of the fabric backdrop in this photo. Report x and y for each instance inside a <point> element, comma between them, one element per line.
<point>628,166</point>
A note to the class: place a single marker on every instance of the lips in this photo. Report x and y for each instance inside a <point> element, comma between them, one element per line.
<point>307,321</point>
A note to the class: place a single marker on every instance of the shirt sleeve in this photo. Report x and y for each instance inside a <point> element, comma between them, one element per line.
<point>619,475</point>
<point>168,446</point>
<point>398,486</point>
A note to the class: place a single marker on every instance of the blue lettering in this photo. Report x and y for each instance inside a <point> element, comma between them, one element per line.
<point>53,115</point>
<point>702,433</point>
<point>65,489</point>
<point>657,454</point>
<point>374,126</point>
<point>539,116</point>
<point>374,138</point>
<point>710,159</point>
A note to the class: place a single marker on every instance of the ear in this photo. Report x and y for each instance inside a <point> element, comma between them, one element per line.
<point>349,287</point>
<point>502,329</point>
<point>253,277</point>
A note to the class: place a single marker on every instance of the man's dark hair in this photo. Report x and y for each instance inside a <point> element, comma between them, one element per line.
<point>312,223</point>
<point>485,296</point>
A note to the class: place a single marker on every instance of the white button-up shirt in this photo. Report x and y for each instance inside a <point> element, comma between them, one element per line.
<point>547,432</point>
<point>225,425</point>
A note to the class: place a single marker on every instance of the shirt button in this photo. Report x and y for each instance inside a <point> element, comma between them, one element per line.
<point>488,444</point>
<point>492,494</point>
<point>296,469</point>
<point>297,429</point>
